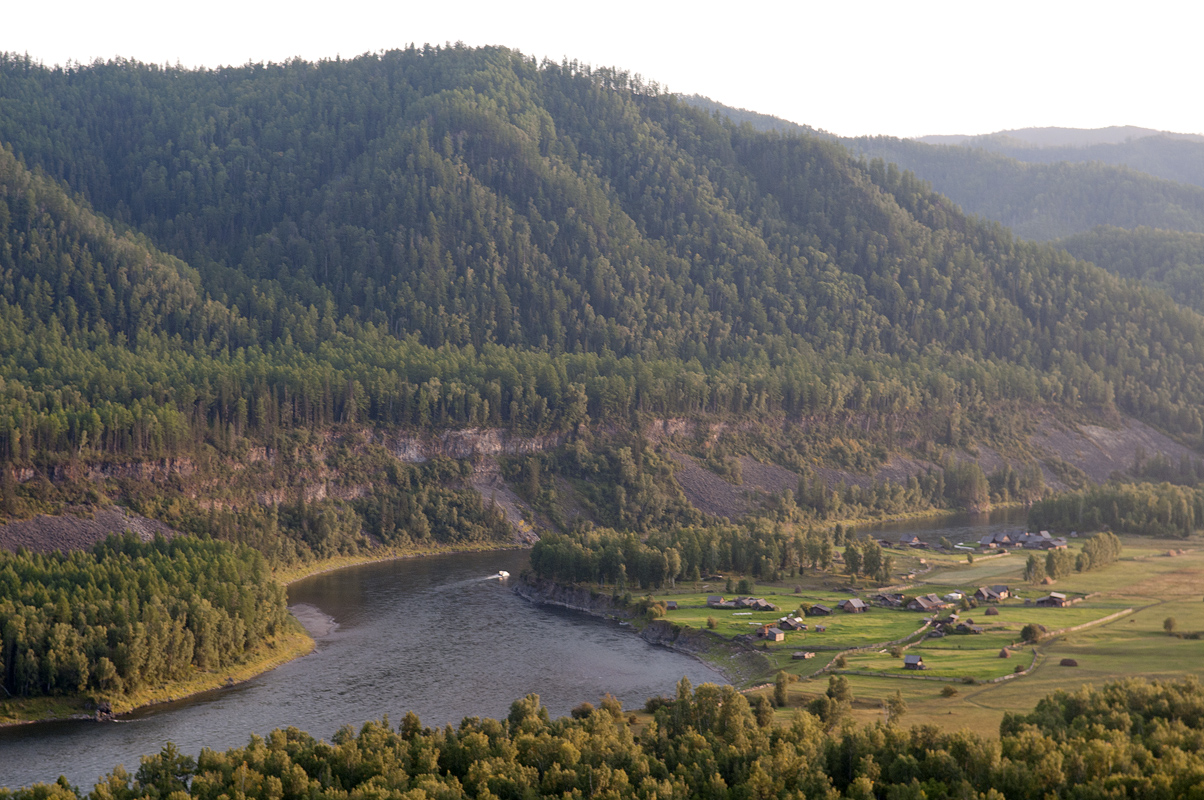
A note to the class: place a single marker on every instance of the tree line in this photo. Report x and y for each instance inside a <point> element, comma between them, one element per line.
<point>1144,509</point>
<point>128,614</point>
<point>1098,551</point>
<point>1126,740</point>
<point>758,549</point>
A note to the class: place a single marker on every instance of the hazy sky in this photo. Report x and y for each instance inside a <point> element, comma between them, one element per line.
<point>904,67</point>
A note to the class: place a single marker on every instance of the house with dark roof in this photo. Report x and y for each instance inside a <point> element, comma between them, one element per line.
<point>854,605</point>
<point>819,611</point>
<point>772,634</point>
<point>992,593</point>
<point>1053,600</point>
<point>913,662</point>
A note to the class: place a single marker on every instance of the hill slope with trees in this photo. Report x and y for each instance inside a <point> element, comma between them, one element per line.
<point>199,263</point>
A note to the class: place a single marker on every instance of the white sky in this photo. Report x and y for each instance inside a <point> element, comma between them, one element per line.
<point>903,67</point>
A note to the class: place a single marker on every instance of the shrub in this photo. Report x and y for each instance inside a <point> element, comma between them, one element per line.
<point>896,651</point>
<point>1031,632</point>
<point>656,703</point>
<point>949,691</point>
<point>582,711</point>
<point>841,663</point>
<point>712,623</point>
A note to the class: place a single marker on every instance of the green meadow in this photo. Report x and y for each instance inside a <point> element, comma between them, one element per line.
<point>1157,580</point>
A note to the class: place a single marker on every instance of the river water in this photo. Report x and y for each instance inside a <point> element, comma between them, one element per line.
<point>438,636</point>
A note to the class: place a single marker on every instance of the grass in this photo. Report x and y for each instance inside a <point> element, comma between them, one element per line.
<point>1146,580</point>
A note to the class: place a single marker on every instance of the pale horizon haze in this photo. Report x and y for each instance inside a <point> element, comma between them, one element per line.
<point>899,69</point>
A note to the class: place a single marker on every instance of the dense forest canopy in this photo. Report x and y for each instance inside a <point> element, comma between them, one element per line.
<point>1124,740</point>
<point>1172,261</point>
<point>455,236</point>
<point>128,614</point>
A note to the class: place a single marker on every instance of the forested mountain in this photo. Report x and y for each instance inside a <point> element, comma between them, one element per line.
<point>1040,192</point>
<point>759,122</point>
<point>1044,201</point>
<point>1172,261</point>
<point>1171,158</point>
<point>1055,137</point>
<point>438,238</point>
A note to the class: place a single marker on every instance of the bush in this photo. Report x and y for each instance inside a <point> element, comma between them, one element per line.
<point>656,703</point>
<point>896,651</point>
<point>1031,633</point>
<point>583,711</point>
<point>1169,625</point>
<point>712,623</point>
<point>949,691</point>
<point>746,586</point>
<point>841,663</point>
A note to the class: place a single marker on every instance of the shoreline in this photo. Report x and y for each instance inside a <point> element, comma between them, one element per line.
<point>731,672</point>
<point>288,646</point>
<point>296,643</point>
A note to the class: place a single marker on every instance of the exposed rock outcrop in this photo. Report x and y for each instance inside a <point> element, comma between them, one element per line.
<point>572,597</point>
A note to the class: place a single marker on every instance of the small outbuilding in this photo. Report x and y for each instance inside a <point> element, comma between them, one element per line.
<point>671,605</point>
<point>913,662</point>
<point>801,655</point>
<point>819,611</point>
<point>774,635</point>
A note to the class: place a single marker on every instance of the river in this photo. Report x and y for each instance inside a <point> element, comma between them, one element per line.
<point>438,636</point>
<point>435,635</point>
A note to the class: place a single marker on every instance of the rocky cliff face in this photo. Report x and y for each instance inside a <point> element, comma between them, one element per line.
<point>571,597</point>
<point>739,664</point>
<point>470,442</point>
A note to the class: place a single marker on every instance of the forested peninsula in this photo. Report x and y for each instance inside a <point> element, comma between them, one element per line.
<point>446,297</point>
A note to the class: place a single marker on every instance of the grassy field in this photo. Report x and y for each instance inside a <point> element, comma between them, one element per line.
<point>1156,579</point>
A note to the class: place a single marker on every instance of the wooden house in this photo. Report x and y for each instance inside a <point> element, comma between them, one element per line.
<point>913,662</point>
<point>854,605</point>
<point>1053,600</point>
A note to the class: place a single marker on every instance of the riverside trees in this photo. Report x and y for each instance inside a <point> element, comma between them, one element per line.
<point>708,742</point>
<point>129,614</point>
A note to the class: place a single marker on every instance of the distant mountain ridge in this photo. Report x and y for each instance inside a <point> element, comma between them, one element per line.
<point>1058,137</point>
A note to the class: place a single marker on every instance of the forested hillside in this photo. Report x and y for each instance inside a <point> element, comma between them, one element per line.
<point>1172,261</point>
<point>129,614</point>
<point>1045,200</point>
<point>195,262</point>
<point>1171,157</point>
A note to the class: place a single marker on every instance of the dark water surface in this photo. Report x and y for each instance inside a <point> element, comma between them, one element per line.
<point>434,635</point>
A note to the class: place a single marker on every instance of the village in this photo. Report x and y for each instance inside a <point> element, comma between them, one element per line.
<point>963,619</point>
